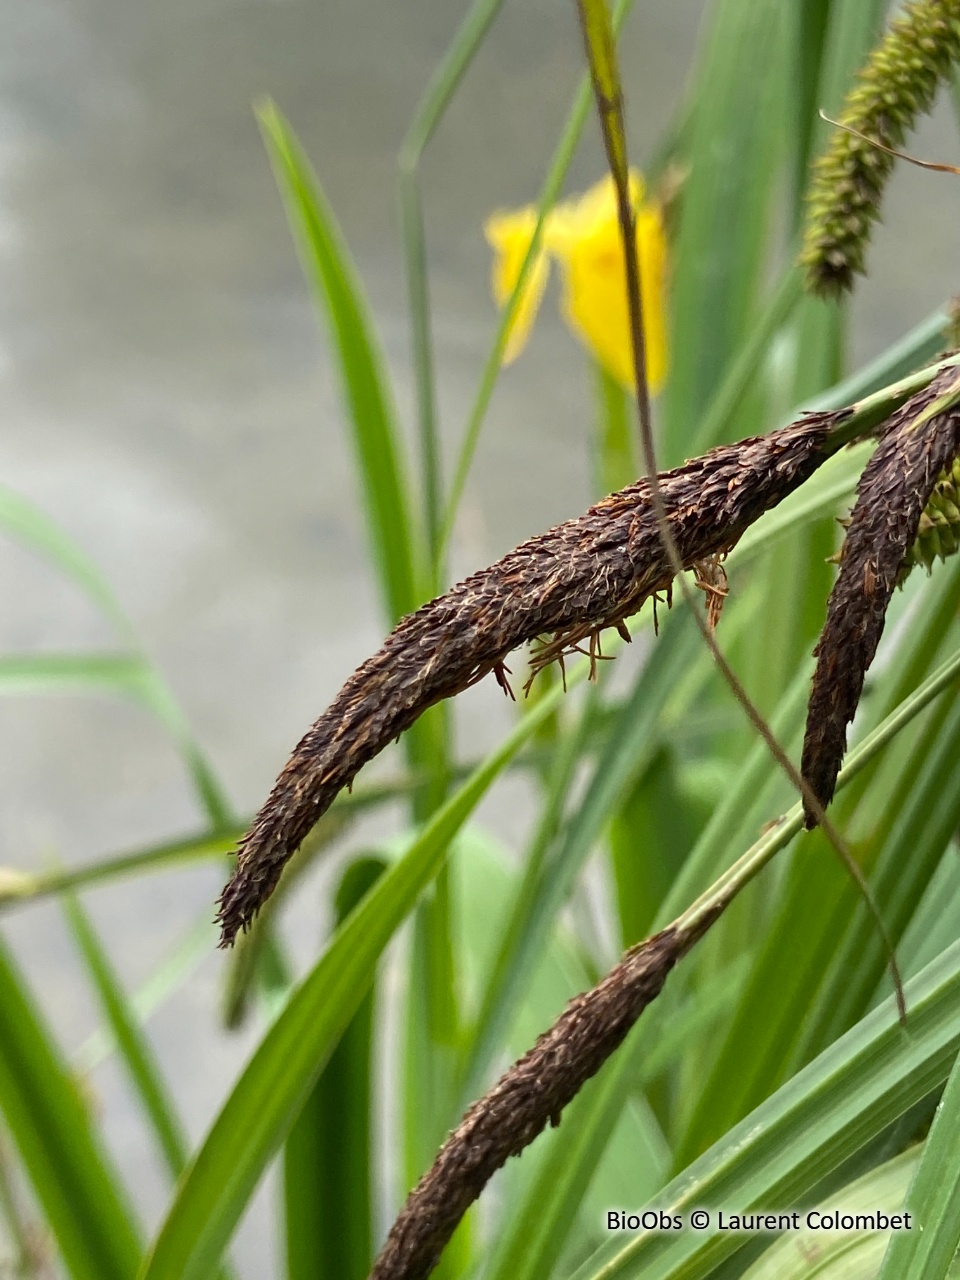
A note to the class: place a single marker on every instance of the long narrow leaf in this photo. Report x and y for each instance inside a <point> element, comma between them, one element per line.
<point>586,1124</point>
<point>326,1168</point>
<point>432,107</point>
<point>22,520</point>
<point>736,137</point>
<point>811,1125</point>
<point>842,1256</point>
<point>375,433</point>
<point>128,675</point>
<point>632,742</point>
<point>928,1250</point>
<point>266,1100</point>
<point>131,1042</point>
<point>81,1198</point>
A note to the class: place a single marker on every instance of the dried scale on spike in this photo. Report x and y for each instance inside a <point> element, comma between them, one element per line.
<point>895,87</point>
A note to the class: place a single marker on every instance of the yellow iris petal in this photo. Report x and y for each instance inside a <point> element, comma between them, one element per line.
<point>583,234</point>
<point>574,219</point>
<point>587,243</point>
<point>509,235</point>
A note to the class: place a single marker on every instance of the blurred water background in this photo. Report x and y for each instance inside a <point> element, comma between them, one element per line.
<point>165,395</point>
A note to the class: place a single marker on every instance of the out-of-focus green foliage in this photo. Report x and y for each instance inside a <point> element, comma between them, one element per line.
<point>772,1071</point>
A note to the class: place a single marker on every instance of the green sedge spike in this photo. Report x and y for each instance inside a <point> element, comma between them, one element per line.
<point>896,86</point>
<point>938,535</point>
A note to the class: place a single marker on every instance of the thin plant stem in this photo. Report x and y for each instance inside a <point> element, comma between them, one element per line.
<point>605,77</point>
<point>729,395</point>
<point>560,163</point>
<point>430,111</point>
<point>25,1262</point>
<point>740,873</point>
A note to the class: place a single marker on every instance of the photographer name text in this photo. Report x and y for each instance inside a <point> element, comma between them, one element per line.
<point>718,1220</point>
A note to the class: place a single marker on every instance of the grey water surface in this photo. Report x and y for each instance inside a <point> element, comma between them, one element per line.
<point>167,397</point>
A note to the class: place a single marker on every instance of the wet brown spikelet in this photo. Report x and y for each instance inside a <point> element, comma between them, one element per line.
<point>896,86</point>
<point>894,489</point>
<point>569,584</point>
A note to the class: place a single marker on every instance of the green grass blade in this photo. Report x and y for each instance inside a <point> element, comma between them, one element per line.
<point>490,374</point>
<point>169,976</point>
<point>262,1107</point>
<point>59,673</point>
<point>808,1128</point>
<point>631,744</point>
<point>378,449</point>
<point>798,576</point>
<point>810,23</point>
<point>920,825</point>
<point>559,164</point>
<point>22,886</point>
<point>581,1141</point>
<point>27,523</point>
<point>132,1045</point>
<point>127,676</point>
<point>530,1243</point>
<point>587,1125</point>
<point>721,421</point>
<point>736,137</point>
<point>326,1163</point>
<point>615,439</point>
<point>130,676</point>
<point>338,292</point>
<point>131,1042</point>
<point>495,1001</point>
<point>901,358</point>
<point>443,84</point>
<point>157,697</point>
<point>650,837</point>
<point>257,953</point>
<point>928,1250</point>
<point>18,1231</point>
<point>807,1252</point>
<point>81,1198</point>
<point>798,955</point>
<point>432,1028</point>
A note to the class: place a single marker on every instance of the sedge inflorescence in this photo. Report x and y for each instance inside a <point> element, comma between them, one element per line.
<point>582,236</point>
<point>938,535</point>
<point>897,84</point>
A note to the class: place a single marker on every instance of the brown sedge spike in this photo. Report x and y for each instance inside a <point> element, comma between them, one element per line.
<point>559,588</point>
<point>895,490</point>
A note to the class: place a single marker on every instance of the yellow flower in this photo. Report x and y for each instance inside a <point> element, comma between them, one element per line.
<point>509,235</point>
<point>583,235</point>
